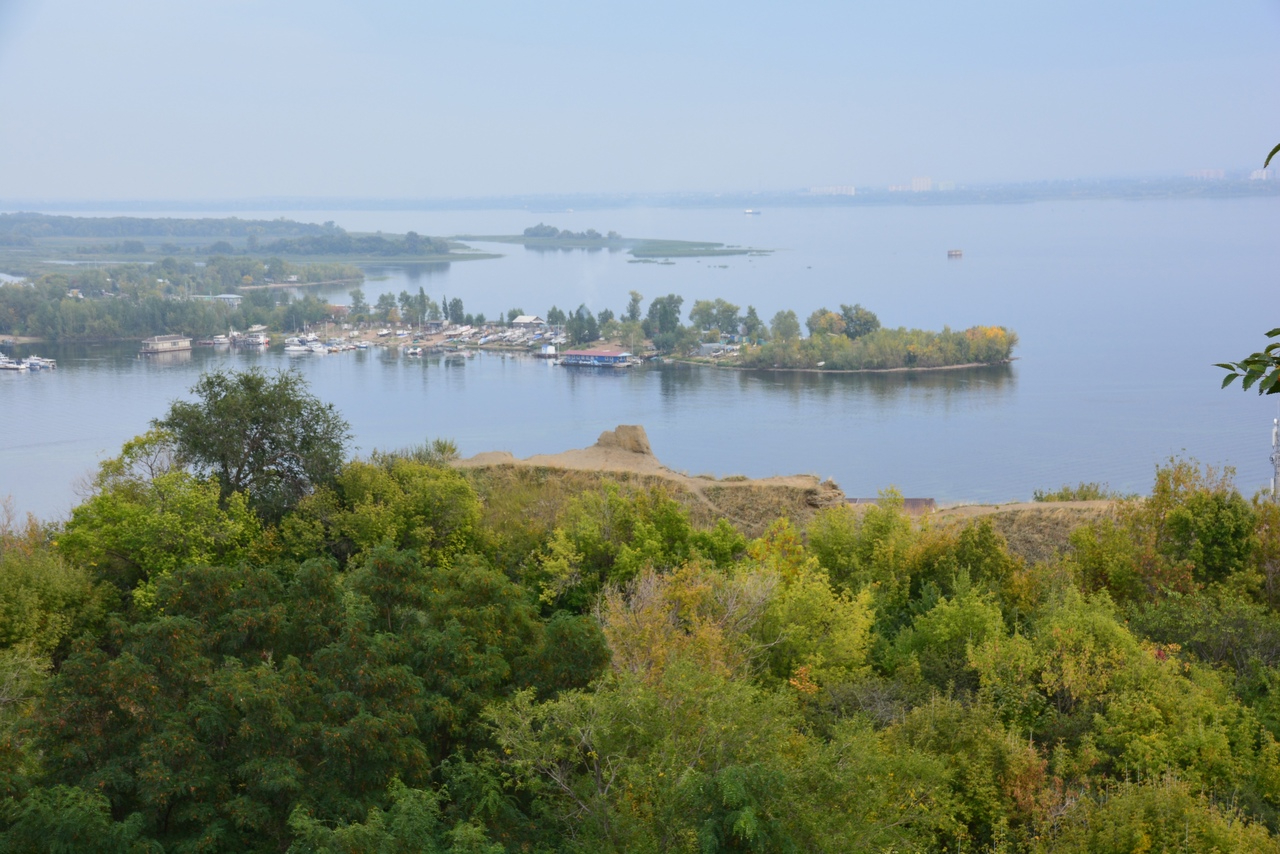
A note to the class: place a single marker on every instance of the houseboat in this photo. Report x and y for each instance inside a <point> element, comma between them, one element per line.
<point>595,359</point>
<point>166,344</point>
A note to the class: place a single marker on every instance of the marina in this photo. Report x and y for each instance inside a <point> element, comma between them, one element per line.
<point>1088,286</point>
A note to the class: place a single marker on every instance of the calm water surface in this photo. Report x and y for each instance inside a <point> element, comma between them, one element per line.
<point>1121,307</point>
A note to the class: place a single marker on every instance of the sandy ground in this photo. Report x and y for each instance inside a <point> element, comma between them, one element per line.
<point>625,450</point>
<point>969,511</point>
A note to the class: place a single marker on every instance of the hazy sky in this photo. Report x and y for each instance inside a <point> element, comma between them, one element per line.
<point>225,99</point>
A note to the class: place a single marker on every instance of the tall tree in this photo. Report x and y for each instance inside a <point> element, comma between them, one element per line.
<point>359,308</point>
<point>858,321</point>
<point>785,326</point>
<point>632,314</point>
<point>266,436</point>
<point>664,314</point>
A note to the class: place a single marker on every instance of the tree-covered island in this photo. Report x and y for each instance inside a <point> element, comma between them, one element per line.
<point>163,276</point>
<point>170,296</point>
<point>29,241</point>
<point>543,237</point>
<point>719,332</point>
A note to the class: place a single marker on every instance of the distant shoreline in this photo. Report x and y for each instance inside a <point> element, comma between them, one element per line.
<point>778,370</point>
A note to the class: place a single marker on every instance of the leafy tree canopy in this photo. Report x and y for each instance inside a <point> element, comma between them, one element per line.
<point>265,436</point>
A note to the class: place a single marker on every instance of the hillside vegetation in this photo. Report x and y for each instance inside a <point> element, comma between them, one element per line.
<point>411,656</point>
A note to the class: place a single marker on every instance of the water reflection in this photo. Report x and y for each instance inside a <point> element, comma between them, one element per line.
<point>416,272</point>
<point>181,357</point>
<point>991,382</point>
<point>988,384</point>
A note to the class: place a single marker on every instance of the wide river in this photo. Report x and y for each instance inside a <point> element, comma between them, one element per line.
<point>1121,308</point>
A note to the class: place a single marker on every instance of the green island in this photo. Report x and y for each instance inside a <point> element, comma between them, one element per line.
<point>246,640</point>
<point>30,243</point>
<point>127,300</point>
<point>720,333</point>
<point>548,238</point>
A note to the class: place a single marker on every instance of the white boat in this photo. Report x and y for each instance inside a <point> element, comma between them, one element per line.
<point>413,351</point>
<point>256,339</point>
<point>39,363</point>
<point>7,364</point>
<point>297,348</point>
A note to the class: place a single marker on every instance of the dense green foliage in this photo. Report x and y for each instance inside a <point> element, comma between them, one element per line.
<point>34,225</point>
<point>829,347</point>
<point>1091,491</point>
<point>338,242</point>
<point>139,235</point>
<point>137,301</point>
<point>550,232</point>
<point>849,339</point>
<point>264,437</point>
<point>400,662</point>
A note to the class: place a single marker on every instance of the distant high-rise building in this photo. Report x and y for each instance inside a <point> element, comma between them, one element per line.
<point>1207,174</point>
<point>1260,175</point>
<point>833,191</point>
<point>921,185</point>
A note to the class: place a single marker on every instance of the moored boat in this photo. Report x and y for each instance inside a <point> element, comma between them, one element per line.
<point>165,344</point>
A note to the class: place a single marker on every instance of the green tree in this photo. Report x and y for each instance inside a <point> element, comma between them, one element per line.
<point>149,516</point>
<point>581,327</point>
<point>556,316</point>
<point>664,315</point>
<point>359,308</point>
<point>703,314</point>
<point>785,326</point>
<point>632,314</point>
<point>456,313</point>
<point>752,326</point>
<point>727,319</point>
<point>858,321</point>
<point>385,308</point>
<point>265,436</point>
<point>825,322</point>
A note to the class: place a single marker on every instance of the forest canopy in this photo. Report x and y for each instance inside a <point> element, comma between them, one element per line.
<point>411,656</point>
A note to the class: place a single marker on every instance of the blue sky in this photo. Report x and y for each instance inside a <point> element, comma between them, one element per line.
<point>237,99</point>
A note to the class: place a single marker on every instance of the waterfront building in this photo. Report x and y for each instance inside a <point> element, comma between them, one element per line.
<point>166,344</point>
<point>595,358</point>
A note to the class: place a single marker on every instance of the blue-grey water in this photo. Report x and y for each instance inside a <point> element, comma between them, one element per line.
<point>1121,307</point>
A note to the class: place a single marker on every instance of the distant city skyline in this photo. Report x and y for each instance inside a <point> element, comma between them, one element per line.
<point>143,99</point>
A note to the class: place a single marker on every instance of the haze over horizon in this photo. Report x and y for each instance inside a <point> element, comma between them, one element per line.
<point>140,99</point>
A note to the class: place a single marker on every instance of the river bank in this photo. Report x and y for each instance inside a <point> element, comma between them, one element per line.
<point>909,369</point>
